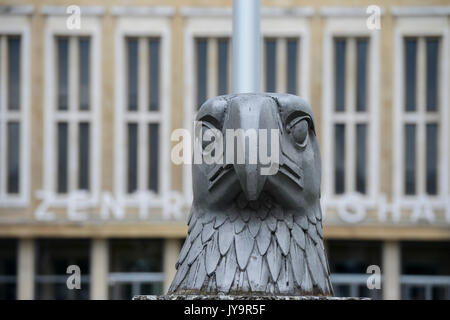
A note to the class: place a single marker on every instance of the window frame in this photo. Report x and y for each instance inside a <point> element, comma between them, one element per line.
<point>420,27</point>
<point>217,23</point>
<point>16,26</point>
<point>55,26</point>
<point>142,28</point>
<point>351,27</point>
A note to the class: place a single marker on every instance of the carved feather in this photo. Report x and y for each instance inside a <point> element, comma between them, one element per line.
<point>226,236</point>
<point>239,225</point>
<point>195,250</point>
<point>263,239</point>
<point>302,221</point>
<point>220,219</point>
<point>208,231</point>
<point>274,259</point>
<point>298,235</point>
<point>271,223</point>
<point>277,212</point>
<point>254,225</point>
<point>283,237</point>
<point>244,244</point>
<point>212,255</point>
<point>298,262</point>
<point>257,271</point>
<point>183,253</point>
<point>226,271</point>
<point>196,231</point>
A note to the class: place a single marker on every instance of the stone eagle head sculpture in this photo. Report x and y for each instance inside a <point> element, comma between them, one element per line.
<point>251,233</point>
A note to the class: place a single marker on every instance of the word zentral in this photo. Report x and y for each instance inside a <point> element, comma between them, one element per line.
<point>352,209</point>
<point>251,146</point>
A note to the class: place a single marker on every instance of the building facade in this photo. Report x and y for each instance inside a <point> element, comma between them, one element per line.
<point>91,93</point>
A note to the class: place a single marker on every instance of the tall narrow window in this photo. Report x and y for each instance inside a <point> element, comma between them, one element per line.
<point>351,115</point>
<point>361,157</point>
<point>339,74</point>
<point>223,53</point>
<point>281,64</point>
<point>153,156</point>
<point>132,157</point>
<point>142,120</point>
<point>154,61</point>
<point>84,143</point>
<point>63,73</point>
<point>270,63</point>
<point>339,158</point>
<point>432,71</point>
<point>132,46</point>
<point>202,54</point>
<point>212,71</point>
<point>432,155</point>
<point>410,74</point>
<point>84,73</point>
<point>12,115</point>
<point>422,118</point>
<point>361,74</point>
<point>13,157</point>
<point>62,157</point>
<point>74,113</point>
<point>13,73</point>
<point>292,66</point>
<point>410,159</point>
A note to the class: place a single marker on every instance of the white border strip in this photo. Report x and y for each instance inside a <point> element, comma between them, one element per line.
<point>420,11</point>
<point>227,11</point>
<point>345,11</point>
<point>62,10</point>
<point>160,11</point>
<point>17,10</point>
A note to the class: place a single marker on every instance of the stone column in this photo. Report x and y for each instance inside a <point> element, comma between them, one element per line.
<point>391,270</point>
<point>171,251</point>
<point>25,269</point>
<point>99,269</point>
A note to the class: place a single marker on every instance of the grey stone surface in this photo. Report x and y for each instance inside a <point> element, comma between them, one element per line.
<point>237,297</point>
<point>254,234</point>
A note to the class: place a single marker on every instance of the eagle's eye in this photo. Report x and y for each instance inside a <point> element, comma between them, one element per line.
<point>299,128</point>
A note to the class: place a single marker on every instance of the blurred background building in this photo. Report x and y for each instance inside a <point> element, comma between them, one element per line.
<point>87,111</point>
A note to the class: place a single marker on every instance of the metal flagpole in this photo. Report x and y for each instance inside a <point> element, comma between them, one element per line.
<point>246,46</point>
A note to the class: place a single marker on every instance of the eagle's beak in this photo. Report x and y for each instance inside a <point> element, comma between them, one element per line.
<point>250,114</point>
